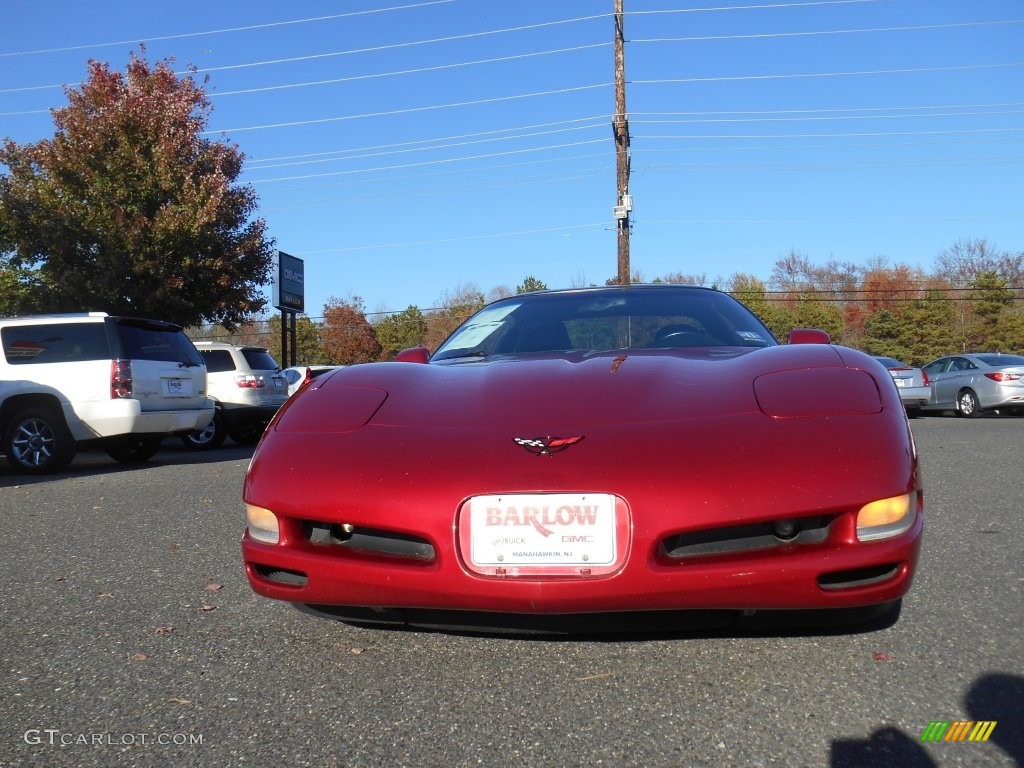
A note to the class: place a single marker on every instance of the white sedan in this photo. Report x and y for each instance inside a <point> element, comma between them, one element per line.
<point>298,375</point>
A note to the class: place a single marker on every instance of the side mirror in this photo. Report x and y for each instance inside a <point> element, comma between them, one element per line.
<point>808,336</point>
<point>413,355</point>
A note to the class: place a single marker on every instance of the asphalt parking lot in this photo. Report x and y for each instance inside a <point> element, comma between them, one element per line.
<point>130,637</point>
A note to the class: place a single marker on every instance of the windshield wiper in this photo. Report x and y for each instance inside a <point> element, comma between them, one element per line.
<point>461,355</point>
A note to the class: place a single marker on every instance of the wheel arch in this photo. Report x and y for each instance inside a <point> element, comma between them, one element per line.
<point>20,402</point>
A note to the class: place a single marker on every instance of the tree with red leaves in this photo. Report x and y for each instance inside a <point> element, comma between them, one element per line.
<point>347,336</point>
<point>129,209</point>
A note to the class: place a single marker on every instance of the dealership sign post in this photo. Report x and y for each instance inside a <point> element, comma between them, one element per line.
<point>290,298</point>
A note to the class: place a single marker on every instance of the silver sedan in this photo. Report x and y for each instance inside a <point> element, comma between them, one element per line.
<point>976,382</point>
<point>911,382</point>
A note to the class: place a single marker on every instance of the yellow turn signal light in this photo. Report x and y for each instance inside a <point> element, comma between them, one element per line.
<point>886,518</point>
<point>263,524</point>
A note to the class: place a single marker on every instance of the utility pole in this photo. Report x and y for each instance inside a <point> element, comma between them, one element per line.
<point>620,127</point>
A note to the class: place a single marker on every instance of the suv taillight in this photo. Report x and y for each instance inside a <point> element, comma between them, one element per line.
<point>120,379</point>
<point>248,381</point>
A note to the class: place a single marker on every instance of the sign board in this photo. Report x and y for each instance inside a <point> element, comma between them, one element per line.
<point>289,283</point>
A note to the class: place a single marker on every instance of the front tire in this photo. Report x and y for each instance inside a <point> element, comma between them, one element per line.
<point>967,404</point>
<point>210,436</point>
<point>37,442</point>
<point>134,450</point>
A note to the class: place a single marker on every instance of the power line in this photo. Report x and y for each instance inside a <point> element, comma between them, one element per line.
<point>839,109</point>
<point>411,110</point>
<point>899,71</point>
<point>761,6</point>
<point>433,192</point>
<point>350,52</point>
<point>394,46</point>
<point>817,33</point>
<point>419,70</point>
<point>442,241</point>
<point>475,169</point>
<point>825,118</point>
<point>851,134</point>
<point>424,149</point>
<point>431,162</point>
<point>223,31</point>
<point>442,138</point>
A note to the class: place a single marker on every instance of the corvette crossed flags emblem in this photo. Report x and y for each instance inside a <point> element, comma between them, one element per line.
<point>545,446</point>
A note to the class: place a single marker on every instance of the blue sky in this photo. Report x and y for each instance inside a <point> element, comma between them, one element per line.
<point>406,149</point>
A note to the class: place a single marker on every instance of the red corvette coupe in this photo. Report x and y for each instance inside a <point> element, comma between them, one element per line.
<point>591,452</point>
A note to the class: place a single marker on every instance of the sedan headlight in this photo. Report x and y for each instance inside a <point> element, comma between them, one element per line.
<point>263,524</point>
<point>886,518</point>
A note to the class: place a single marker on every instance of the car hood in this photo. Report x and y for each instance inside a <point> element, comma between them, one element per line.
<point>548,393</point>
<point>743,427</point>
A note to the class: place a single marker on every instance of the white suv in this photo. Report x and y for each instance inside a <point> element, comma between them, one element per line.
<point>248,388</point>
<point>69,382</point>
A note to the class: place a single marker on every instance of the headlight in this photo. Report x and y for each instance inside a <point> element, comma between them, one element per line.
<point>262,524</point>
<point>886,518</point>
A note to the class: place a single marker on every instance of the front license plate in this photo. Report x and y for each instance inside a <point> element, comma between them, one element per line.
<point>178,387</point>
<point>578,534</point>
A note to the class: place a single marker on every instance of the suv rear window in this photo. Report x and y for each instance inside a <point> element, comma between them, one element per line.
<point>55,343</point>
<point>217,360</point>
<point>153,341</point>
<point>259,360</point>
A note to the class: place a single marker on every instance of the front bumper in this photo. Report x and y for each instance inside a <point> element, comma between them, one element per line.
<point>837,573</point>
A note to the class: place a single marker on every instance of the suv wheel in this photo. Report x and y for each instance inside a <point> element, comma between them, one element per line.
<point>134,450</point>
<point>248,434</point>
<point>210,436</point>
<point>37,441</point>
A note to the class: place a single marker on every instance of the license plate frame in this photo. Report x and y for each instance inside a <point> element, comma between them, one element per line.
<point>177,386</point>
<point>582,535</point>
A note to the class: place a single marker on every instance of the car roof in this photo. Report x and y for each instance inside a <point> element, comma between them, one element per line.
<point>226,345</point>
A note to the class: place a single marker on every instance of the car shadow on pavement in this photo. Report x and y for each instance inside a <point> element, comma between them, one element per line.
<point>97,462</point>
<point>995,698</point>
<point>619,627</point>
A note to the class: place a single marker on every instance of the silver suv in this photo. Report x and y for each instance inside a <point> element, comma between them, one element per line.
<point>248,388</point>
<point>89,380</point>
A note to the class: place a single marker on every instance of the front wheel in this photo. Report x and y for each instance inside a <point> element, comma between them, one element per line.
<point>210,436</point>
<point>967,404</point>
<point>134,450</point>
<point>37,441</point>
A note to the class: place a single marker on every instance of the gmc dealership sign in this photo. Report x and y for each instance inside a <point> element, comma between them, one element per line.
<point>289,286</point>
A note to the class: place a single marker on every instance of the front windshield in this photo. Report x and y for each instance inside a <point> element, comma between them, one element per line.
<point>648,317</point>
